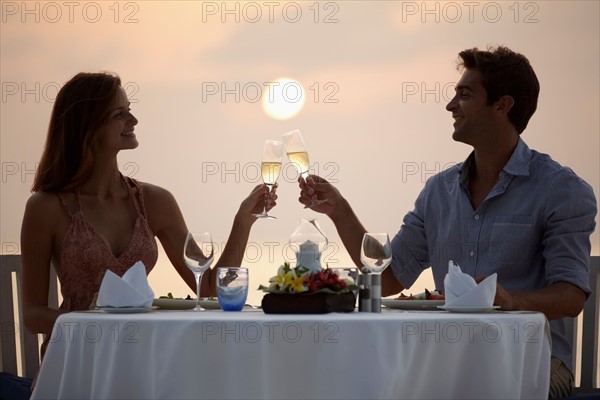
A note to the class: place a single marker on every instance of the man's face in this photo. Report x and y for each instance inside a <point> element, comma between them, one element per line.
<point>473,118</point>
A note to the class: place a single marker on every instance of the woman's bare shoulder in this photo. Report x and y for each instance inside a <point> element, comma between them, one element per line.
<point>156,197</point>
<point>161,207</point>
<point>43,201</point>
<point>154,192</point>
<point>43,206</point>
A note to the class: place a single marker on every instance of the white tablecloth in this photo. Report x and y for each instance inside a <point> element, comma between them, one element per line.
<point>395,354</point>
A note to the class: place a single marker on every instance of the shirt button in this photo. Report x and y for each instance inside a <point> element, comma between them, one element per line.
<point>476,216</point>
<point>471,253</point>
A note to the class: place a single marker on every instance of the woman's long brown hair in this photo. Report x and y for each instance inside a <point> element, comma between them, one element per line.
<point>82,105</point>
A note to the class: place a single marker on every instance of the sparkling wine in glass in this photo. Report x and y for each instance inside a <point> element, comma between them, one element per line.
<point>375,252</point>
<point>198,253</point>
<point>298,156</point>
<point>271,167</point>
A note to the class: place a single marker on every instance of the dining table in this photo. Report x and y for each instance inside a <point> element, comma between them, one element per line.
<point>395,354</point>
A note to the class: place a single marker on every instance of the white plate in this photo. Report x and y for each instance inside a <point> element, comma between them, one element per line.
<point>412,304</point>
<point>125,310</point>
<point>183,304</point>
<point>468,309</point>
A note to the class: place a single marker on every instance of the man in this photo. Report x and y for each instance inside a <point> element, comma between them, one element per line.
<point>507,209</point>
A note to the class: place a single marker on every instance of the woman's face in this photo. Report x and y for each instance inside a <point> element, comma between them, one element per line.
<point>117,132</point>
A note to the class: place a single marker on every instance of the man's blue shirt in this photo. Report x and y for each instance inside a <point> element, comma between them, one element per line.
<point>533,229</point>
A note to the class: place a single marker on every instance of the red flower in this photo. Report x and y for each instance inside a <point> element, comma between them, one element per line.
<point>314,283</point>
<point>325,279</point>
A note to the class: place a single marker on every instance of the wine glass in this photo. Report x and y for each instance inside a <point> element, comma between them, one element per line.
<point>376,255</point>
<point>375,252</point>
<point>198,253</point>
<point>298,156</point>
<point>270,166</point>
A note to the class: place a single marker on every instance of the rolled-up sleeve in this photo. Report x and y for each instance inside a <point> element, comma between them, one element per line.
<point>570,212</point>
<point>409,246</point>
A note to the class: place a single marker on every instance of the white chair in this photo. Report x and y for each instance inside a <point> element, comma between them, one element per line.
<point>13,332</point>
<point>589,363</point>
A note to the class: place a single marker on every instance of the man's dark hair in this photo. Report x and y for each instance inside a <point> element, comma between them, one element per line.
<point>505,72</point>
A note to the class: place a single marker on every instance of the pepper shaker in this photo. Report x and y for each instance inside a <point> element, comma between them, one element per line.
<point>376,293</point>
<point>364,293</point>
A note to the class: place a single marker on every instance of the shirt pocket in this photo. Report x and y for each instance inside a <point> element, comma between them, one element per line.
<point>510,239</point>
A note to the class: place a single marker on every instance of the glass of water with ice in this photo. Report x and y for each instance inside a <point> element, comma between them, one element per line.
<point>232,287</point>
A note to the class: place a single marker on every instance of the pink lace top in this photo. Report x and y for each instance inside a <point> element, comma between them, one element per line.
<point>86,255</point>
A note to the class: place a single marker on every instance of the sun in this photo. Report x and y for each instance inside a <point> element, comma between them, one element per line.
<point>283,98</point>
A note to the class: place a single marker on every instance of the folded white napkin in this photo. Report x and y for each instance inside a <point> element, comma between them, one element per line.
<point>461,290</point>
<point>132,290</point>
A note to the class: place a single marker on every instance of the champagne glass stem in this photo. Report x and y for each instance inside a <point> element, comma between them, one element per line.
<point>265,214</point>
<point>267,197</point>
<point>198,277</point>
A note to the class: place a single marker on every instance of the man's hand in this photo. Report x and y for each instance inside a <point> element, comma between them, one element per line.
<point>503,298</point>
<point>317,188</point>
<point>93,303</point>
<point>559,300</point>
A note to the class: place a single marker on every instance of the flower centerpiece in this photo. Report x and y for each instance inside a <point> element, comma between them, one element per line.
<point>308,288</point>
<point>303,291</point>
<point>302,280</point>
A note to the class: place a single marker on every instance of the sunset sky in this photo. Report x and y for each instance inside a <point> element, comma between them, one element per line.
<point>376,76</point>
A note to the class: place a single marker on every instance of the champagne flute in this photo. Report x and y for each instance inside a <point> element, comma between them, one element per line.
<point>198,253</point>
<point>270,166</point>
<point>298,156</point>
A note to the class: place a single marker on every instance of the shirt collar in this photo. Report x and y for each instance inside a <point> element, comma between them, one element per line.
<point>518,164</point>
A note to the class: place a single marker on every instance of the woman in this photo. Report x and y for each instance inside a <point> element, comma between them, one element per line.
<point>85,217</point>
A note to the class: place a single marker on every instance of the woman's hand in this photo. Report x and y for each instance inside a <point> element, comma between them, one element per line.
<point>259,199</point>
